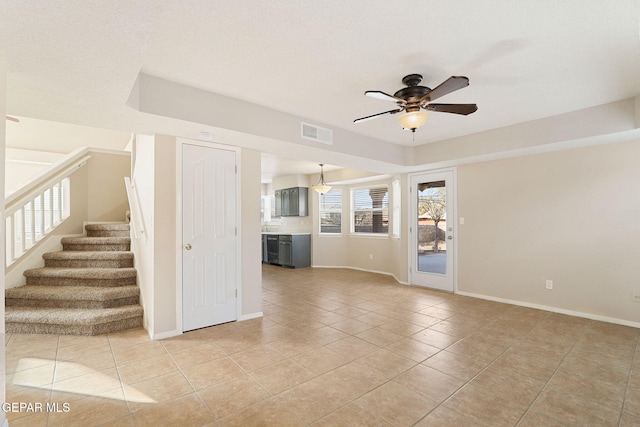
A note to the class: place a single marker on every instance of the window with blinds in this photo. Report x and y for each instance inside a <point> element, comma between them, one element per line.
<point>330,212</point>
<point>370,210</point>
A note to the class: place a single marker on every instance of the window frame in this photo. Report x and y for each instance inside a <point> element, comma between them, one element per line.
<point>352,210</point>
<point>396,208</point>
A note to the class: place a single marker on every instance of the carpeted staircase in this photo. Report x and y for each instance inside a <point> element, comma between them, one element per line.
<point>89,288</point>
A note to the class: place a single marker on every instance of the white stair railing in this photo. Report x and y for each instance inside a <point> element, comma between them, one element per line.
<point>36,209</point>
<point>137,220</point>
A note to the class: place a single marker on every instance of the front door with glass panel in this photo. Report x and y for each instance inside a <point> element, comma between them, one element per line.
<point>432,231</point>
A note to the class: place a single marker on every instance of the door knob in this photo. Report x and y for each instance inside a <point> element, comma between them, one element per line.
<point>188,246</point>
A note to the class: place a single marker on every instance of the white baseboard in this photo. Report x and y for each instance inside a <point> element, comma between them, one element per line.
<point>362,269</point>
<point>165,335</point>
<point>175,333</point>
<point>250,316</point>
<point>553,309</point>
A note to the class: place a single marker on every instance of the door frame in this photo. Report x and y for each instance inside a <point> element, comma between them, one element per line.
<point>412,218</point>
<point>179,197</point>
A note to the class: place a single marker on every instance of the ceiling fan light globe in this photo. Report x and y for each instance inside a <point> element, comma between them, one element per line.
<point>413,120</point>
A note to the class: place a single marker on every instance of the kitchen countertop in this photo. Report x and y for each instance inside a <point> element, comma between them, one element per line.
<point>279,233</point>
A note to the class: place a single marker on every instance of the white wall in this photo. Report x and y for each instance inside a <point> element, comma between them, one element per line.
<point>571,216</point>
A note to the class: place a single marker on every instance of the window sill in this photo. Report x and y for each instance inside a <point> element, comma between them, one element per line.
<point>369,235</point>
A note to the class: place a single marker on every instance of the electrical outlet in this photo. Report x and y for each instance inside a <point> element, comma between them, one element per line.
<point>635,297</point>
<point>549,284</point>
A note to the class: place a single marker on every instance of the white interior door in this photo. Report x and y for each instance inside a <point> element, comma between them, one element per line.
<point>433,230</point>
<point>208,237</point>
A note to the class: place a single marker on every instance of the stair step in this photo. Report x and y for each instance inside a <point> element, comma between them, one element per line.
<point>89,288</point>
<point>108,230</point>
<point>72,296</point>
<point>86,259</point>
<point>66,321</point>
<point>96,243</point>
<point>57,276</point>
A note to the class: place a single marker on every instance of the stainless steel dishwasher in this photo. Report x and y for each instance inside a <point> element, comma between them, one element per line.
<point>273,249</point>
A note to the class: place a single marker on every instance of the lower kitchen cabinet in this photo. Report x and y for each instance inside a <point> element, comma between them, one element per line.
<point>291,250</point>
<point>294,250</point>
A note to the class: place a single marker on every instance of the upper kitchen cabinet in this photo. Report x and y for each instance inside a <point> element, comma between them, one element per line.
<point>292,201</point>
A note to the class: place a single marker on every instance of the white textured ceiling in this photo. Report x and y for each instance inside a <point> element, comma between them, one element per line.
<point>77,61</point>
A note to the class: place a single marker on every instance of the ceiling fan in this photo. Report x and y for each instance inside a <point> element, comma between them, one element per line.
<point>413,98</point>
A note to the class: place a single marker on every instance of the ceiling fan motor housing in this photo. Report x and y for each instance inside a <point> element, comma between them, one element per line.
<point>413,93</point>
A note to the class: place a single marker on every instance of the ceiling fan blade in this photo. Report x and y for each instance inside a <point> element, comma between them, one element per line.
<point>364,119</point>
<point>453,83</point>
<point>12,119</point>
<point>384,96</point>
<point>463,109</point>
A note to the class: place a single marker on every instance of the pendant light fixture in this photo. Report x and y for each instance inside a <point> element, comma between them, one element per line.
<point>321,187</point>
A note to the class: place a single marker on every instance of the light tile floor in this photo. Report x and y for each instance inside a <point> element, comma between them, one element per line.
<point>340,348</point>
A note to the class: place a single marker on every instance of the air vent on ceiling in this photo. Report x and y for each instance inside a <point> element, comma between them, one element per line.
<point>316,133</point>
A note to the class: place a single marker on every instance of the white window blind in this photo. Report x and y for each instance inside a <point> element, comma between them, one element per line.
<point>370,210</point>
<point>330,212</point>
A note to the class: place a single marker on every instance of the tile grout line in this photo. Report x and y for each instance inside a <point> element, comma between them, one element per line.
<point>115,362</point>
<point>188,381</point>
<point>474,376</point>
<point>550,378</point>
<point>53,379</point>
<point>626,390</point>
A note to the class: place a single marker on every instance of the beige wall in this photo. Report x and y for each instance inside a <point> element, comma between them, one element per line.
<point>155,180</point>
<point>143,180</point>
<point>107,198</point>
<point>156,170</point>
<point>97,191</point>
<point>3,97</point>
<point>164,225</point>
<point>97,194</point>
<point>251,251</point>
<point>23,166</point>
<point>44,135</point>
<point>379,254</point>
<point>571,216</point>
